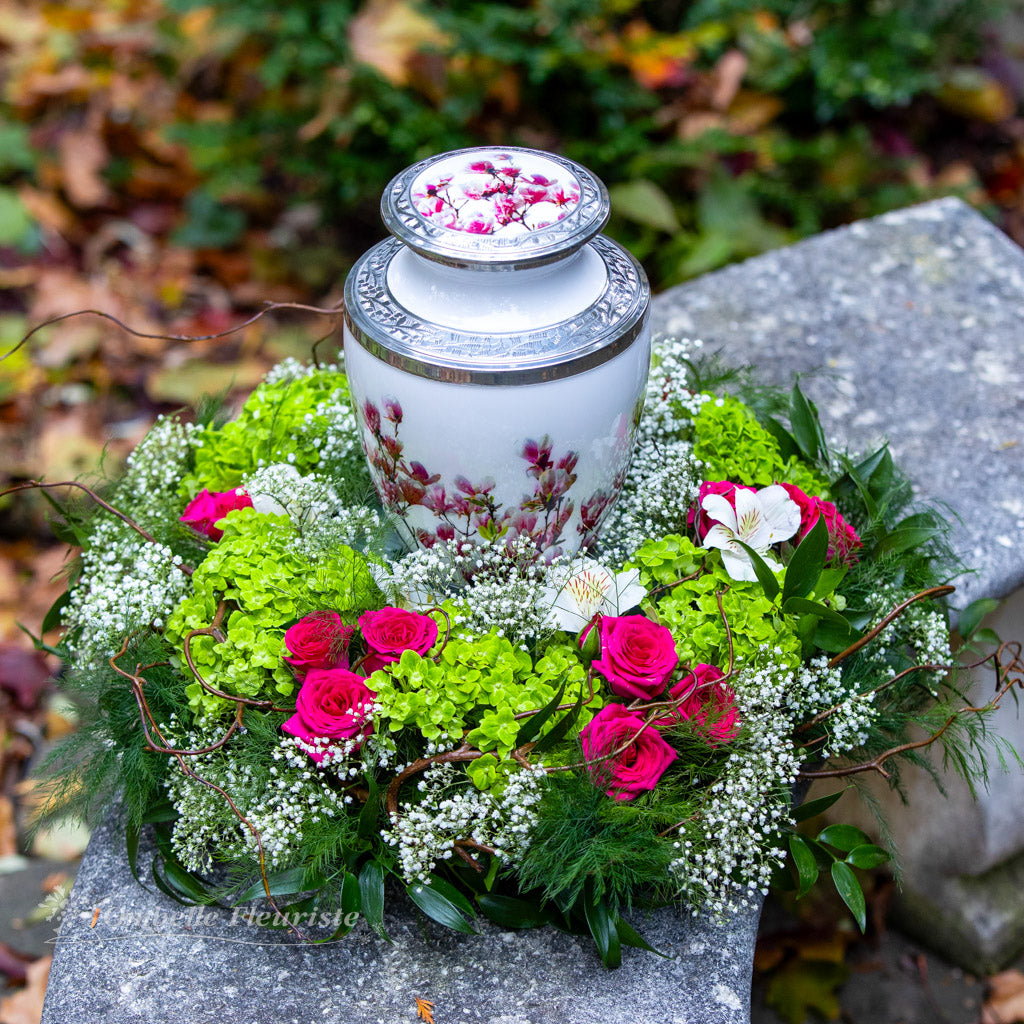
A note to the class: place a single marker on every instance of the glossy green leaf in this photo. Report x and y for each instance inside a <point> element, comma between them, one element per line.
<point>849,889</point>
<point>765,576</point>
<point>282,883</point>
<point>783,438</point>
<point>970,617</point>
<point>803,418</point>
<point>899,540</point>
<point>53,618</point>
<point>371,896</point>
<point>805,862</point>
<point>801,606</point>
<point>807,563</point>
<point>602,928</point>
<point>629,936</point>
<point>867,856</point>
<point>131,842</point>
<point>817,806</point>
<point>843,837</point>
<point>509,912</point>
<point>560,729</point>
<point>832,638</point>
<point>439,908</point>
<point>532,726</point>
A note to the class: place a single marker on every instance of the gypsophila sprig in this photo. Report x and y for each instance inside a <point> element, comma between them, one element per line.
<point>291,693</point>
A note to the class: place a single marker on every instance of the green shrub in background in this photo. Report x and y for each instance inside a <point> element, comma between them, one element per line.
<point>723,127</point>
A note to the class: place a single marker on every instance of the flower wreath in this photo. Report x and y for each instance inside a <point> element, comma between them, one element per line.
<point>280,689</point>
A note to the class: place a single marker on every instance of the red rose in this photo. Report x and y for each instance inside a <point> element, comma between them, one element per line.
<point>697,517</point>
<point>842,538</point>
<point>332,704</point>
<point>635,769</point>
<point>637,655</point>
<point>712,710</point>
<point>210,507</point>
<point>389,631</point>
<point>319,640</point>
<point>695,680</point>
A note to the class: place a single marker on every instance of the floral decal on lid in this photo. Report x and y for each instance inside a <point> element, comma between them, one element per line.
<point>499,195</point>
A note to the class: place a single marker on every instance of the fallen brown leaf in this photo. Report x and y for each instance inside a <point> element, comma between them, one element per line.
<point>26,1006</point>
<point>82,157</point>
<point>1005,1002</point>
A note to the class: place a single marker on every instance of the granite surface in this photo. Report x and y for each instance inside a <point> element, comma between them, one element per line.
<point>910,327</point>
<point>141,960</point>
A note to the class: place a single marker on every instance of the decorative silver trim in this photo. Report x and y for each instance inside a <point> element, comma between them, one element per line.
<point>495,252</point>
<point>398,337</point>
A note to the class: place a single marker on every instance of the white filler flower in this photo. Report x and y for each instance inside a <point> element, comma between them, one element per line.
<point>760,519</point>
<point>574,594</point>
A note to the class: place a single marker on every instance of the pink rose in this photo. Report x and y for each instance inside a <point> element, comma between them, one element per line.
<point>210,507</point>
<point>389,631</point>
<point>697,517</point>
<point>332,704</point>
<point>842,538</point>
<point>638,767</point>
<point>695,680</point>
<point>637,655</point>
<point>712,711</point>
<point>319,640</point>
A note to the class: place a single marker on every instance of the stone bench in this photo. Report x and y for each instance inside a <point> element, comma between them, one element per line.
<point>915,318</point>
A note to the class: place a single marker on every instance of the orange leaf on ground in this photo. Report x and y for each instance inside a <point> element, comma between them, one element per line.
<point>424,1010</point>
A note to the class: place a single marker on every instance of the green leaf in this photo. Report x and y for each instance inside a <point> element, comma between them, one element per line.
<point>832,639</point>
<point>803,418</point>
<point>439,908</point>
<point>801,606</point>
<point>561,728</point>
<point>282,883</point>
<point>602,928</point>
<point>160,812</point>
<point>843,837</point>
<point>849,888</point>
<point>531,726</point>
<point>783,438</point>
<point>629,936</point>
<point>867,856</point>
<point>512,913</point>
<point>164,886</point>
<point>764,575</point>
<point>813,807</point>
<point>645,203</point>
<point>131,842</point>
<point>986,636</point>
<point>881,480</point>
<point>370,812</point>
<point>830,579</point>
<point>185,882</point>
<point>371,896</point>
<point>970,617</point>
<point>452,894</point>
<point>899,540</point>
<point>807,563</point>
<point>805,862</point>
<point>52,619</point>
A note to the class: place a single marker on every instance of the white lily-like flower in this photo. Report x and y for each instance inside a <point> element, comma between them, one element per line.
<point>575,593</point>
<point>760,519</point>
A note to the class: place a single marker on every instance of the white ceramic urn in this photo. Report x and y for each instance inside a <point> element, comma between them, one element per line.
<point>497,349</point>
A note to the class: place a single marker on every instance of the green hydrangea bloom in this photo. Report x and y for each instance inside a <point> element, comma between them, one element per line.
<point>307,422</point>
<point>691,611</point>
<point>734,446</point>
<point>480,685</point>
<point>268,585</point>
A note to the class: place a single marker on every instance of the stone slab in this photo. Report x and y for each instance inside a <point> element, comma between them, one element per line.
<point>910,326</point>
<point>123,970</point>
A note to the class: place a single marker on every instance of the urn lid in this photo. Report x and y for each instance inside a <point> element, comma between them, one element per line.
<point>495,207</point>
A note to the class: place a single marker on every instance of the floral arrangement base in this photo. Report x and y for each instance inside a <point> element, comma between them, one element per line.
<point>142,962</point>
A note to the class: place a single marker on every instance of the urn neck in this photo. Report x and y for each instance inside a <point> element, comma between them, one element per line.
<point>495,300</point>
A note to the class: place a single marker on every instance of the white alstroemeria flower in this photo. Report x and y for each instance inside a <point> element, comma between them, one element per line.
<point>760,519</point>
<point>574,594</point>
